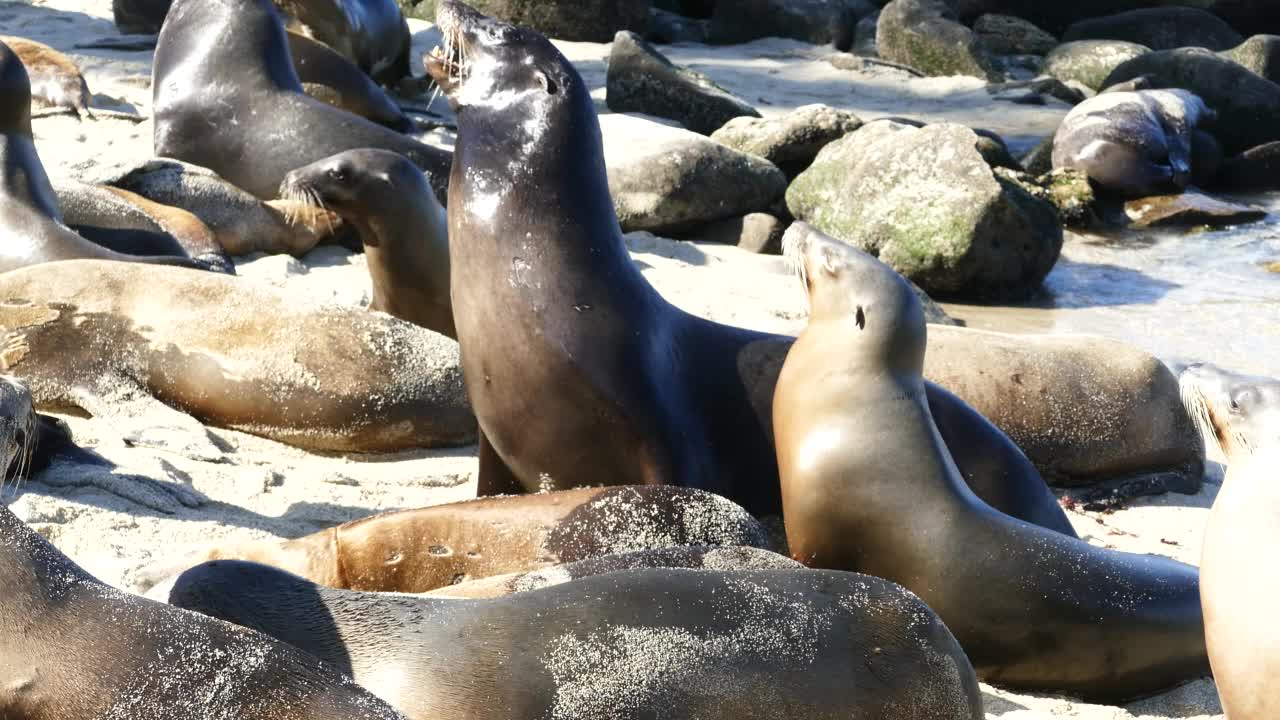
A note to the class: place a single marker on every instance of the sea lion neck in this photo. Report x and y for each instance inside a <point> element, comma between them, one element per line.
<point>246,34</point>
<point>22,176</point>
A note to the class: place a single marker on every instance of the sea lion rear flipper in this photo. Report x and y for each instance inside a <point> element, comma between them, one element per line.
<point>142,420</point>
<point>494,477</point>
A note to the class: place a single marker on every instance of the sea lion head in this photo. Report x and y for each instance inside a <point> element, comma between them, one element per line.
<point>863,298</point>
<point>15,94</point>
<point>1241,412</point>
<point>18,426</point>
<point>490,66</point>
<point>356,185</point>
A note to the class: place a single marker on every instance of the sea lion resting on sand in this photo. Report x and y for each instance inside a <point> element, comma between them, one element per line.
<point>119,339</point>
<point>868,485</point>
<point>56,82</point>
<point>637,643</point>
<point>73,648</point>
<point>442,545</point>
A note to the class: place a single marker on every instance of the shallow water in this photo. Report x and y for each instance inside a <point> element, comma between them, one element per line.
<point>1181,295</point>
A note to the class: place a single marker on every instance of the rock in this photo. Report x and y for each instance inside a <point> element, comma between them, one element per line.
<point>1189,208</point>
<point>926,202</point>
<point>1035,92</point>
<point>1089,62</point>
<point>1008,35</point>
<point>791,142</point>
<point>641,80</point>
<point>864,36</point>
<point>1260,53</point>
<point>585,20</point>
<point>1039,160</point>
<point>1257,168</point>
<point>755,232</point>
<point>1271,266</point>
<point>668,28</point>
<point>933,312</point>
<point>1159,29</point>
<point>1248,106</point>
<point>862,64</point>
<point>814,21</point>
<point>1055,17</point>
<point>667,179</point>
<point>1072,194</point>
<point>923,34</point>
<point>994,151</point>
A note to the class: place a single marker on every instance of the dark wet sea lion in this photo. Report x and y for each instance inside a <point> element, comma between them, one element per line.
<point>1133,144</point>
<point>226,97</point>
<point>579,371</point>
<point>441,545</point>
<point>1241,413</point>
<point>73,648</point>
<point>1239,583</point>
<point>868,485</point>
<point>631,644</point>
<point>130,342</point>
<point>692,557</point>
<point>326,75</point>
<point>30,217</point>
<point>56,82</point>
<point>401,224</point>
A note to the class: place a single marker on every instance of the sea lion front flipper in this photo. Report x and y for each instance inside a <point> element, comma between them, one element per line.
<point>141,419</point>
<point>494,477</point>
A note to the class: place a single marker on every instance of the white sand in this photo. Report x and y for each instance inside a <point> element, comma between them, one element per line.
<point>265,489</point>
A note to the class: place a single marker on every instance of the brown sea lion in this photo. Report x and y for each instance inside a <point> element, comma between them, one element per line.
<point>123,340</point>
<point>56,82</point>
<point>1241,413</point>
<point>664,643</point>
<point>868,485</point>
<point>415,551</point>
<point>30,218</point>
<point>328,76</point>
<point>73,648</point>
<point>402,226</point>
<point>629,389</point>
<point>693,557</point>
<point>235,104</point>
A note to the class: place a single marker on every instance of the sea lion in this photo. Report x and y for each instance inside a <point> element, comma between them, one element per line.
<point>74,648</point>
<point>226,97</point>
<point>636,390</point>
<point>1133,144</point>
<point>697,558</point>
<point>1241,413</point>
<point>28,440</point>
<point>56,82</point>
<point>1086,408</point>
<point>638,643</point>
<point>868,485</point>
<point>29,214</point>
<point>1238,583</point>
<point>403,228</point>
<point>442,545</point>
<point>122,340</point>
<point>328,76</point>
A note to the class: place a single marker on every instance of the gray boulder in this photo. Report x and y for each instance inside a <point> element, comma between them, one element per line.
<point>791,142</point>
<point>1190,208</point>
<point>924,34</point>
<point>1159,29</point>
<point>1055,17</point>
<point>641,80</point>
<point>588,20</point>
<point>667,28</point>
<point>1009,35</point>
<point>665,179</point>
<point>814,21</point>
<point>1089,62</point>
<point>755,232</point>
<point>925,201</point>
<point>1248,105</point>
<point>1260,53</point>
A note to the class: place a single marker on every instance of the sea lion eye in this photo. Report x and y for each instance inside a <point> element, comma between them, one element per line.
<point>337,175</point>
<point>496,33</point>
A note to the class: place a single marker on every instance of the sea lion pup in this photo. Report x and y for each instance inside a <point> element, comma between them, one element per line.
<point>56,82</point>
<point>695,558</point>
<point>447,544</point>
<point>403,227</point>
<point>73,648</point>
<point>637,643</point>
<point>328,76</point>
<point>226,97</point>
<point>868,485</point>
<point>1133,144</point>
<point>638,391</point>
<point>1241,413</point>
<point>123,340</point>
<point>29,215</point>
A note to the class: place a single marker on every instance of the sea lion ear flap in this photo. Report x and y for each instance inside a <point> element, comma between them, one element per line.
<point>830,260</point>
<point>548,83</point>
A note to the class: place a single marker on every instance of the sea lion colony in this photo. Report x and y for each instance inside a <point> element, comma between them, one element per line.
<point>926,550</point>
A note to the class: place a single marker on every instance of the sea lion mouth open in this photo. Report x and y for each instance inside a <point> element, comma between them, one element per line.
<point>1241,412</point>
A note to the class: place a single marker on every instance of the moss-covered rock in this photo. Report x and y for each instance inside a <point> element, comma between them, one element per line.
<point>924,34</point>
<point>925,201</point>
<point>792,141</point>
<point>1260,53</point>
<point>1159,29</point>
<point>1009,35</point>
<point>1089,62</point>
